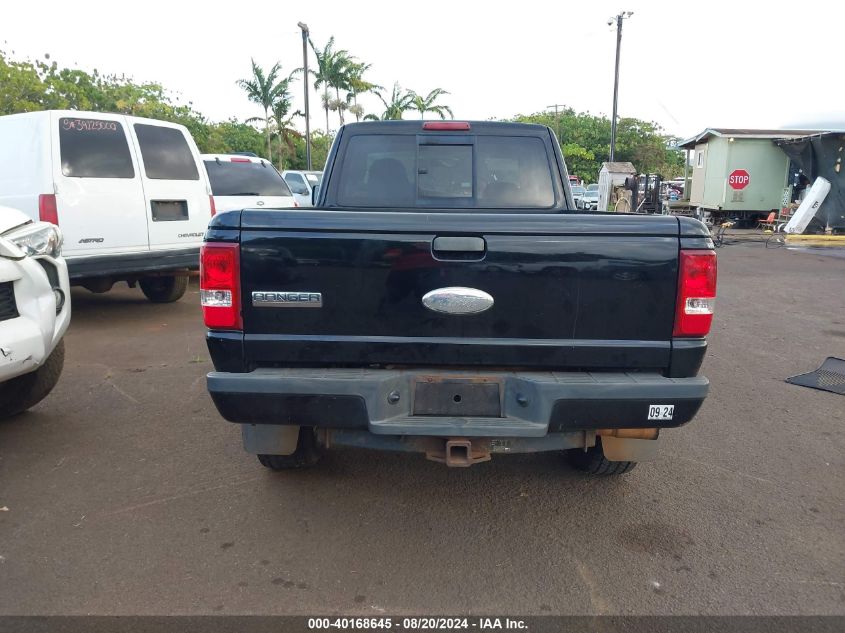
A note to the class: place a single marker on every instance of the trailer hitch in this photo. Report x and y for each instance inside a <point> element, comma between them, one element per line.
<point>460,452</point>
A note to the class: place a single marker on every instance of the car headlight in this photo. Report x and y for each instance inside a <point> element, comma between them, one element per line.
<point>38,238</point>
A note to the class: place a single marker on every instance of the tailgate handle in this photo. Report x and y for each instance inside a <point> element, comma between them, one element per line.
<point>458,245</point>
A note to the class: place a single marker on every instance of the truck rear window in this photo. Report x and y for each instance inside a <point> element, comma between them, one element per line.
<point>166,153</point>
<point>94,148</point>
<point>245,179</point>
<point>490,172</point>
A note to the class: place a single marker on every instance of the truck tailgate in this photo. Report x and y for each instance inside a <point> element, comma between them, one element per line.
<point>570,291</point>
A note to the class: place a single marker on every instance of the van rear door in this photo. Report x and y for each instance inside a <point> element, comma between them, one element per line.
<point>176,189</point>
<point>99,195</point>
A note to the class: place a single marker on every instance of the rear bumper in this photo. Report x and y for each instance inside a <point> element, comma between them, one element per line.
<point>532,404</point>
<point>129,264</point>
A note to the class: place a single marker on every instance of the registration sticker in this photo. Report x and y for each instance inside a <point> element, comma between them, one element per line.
<point>661,411</point>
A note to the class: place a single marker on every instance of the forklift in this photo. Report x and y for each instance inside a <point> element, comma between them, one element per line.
<point>645,193</point>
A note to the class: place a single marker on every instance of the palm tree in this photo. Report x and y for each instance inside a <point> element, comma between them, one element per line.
<point>358,85</point>
<point>332,71</point>
<point>357,110</point>
<point>341,79</point>
<point>264,90</point>
<point>400,102</point>
<point>342,69</point>
<point>426,104</point>
<point>338,105</point>
<point>283,124</point>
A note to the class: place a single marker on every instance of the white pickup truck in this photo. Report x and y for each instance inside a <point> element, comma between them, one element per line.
<point>34,310</point>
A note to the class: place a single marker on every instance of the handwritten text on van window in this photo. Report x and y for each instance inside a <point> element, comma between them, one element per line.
<point>88,125</point>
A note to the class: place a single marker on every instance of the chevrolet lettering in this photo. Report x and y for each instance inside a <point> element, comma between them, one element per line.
<point>279,299</point>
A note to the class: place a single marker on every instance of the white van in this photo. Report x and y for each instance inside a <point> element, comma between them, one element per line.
<point>130,195</point>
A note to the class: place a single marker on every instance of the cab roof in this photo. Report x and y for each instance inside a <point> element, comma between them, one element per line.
<point>504,128</point>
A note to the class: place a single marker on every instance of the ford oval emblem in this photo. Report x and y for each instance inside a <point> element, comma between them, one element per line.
<point>458,300</point>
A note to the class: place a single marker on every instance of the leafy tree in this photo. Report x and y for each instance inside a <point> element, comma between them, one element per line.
<point>21,87</point>
<point>233,136</point>
<point>579,160</point>
<point>43,84</point>
<point>585,143</point>
<point>427,104</point>
<point>320,145</point>
<point>265,89</point>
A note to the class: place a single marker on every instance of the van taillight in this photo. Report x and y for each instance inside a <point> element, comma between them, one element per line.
<point>213,206</point>
<point>47,208</point>
<point>696,293</point>
<point>220,291</point>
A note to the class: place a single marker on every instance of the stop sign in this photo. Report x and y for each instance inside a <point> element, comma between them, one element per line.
<point>739,179</point>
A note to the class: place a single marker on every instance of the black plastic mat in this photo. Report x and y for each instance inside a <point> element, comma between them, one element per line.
<point>829,377</point>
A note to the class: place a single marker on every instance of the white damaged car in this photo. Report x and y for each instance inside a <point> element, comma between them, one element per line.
<point>34,310</point>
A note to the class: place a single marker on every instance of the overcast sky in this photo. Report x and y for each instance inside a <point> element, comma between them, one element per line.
<point>686,65</point>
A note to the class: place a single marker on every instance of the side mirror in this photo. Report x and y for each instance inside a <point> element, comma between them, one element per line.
<point>315,192</point>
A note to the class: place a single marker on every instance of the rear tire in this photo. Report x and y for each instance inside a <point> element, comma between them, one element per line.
<point>19,394</point>
<point>593,462</point>
<point>164,289</point>
<point>307,453</point>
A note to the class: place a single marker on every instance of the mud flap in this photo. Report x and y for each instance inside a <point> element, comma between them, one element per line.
<point>270,439</point>
<point>623,449</point>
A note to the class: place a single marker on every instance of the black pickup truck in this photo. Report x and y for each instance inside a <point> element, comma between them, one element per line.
<point>443,296</point>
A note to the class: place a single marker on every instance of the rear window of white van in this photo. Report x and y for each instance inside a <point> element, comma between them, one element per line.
<point>94,148</point>
<point>166,153</point>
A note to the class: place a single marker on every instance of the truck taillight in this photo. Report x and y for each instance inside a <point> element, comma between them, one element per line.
<point>47,209</point>
<point>220,286</point>
<point>213,206</point>
<point>696,293</point>
<point>447,126</point>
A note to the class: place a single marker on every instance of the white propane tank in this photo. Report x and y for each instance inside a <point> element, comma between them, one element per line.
<point>809,206</point>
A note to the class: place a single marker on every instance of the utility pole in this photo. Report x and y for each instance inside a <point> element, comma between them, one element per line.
<point>557,119</point>
<point>304,28</point>
<point>623,15</point>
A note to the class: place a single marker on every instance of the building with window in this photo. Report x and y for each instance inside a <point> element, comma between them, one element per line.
<point>739,173</point>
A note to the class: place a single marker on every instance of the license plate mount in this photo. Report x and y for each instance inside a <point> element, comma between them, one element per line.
<point>457,397</point>
<point>169,210</point>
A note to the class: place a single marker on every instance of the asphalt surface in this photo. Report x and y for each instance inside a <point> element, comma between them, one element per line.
<point>125,493</point>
